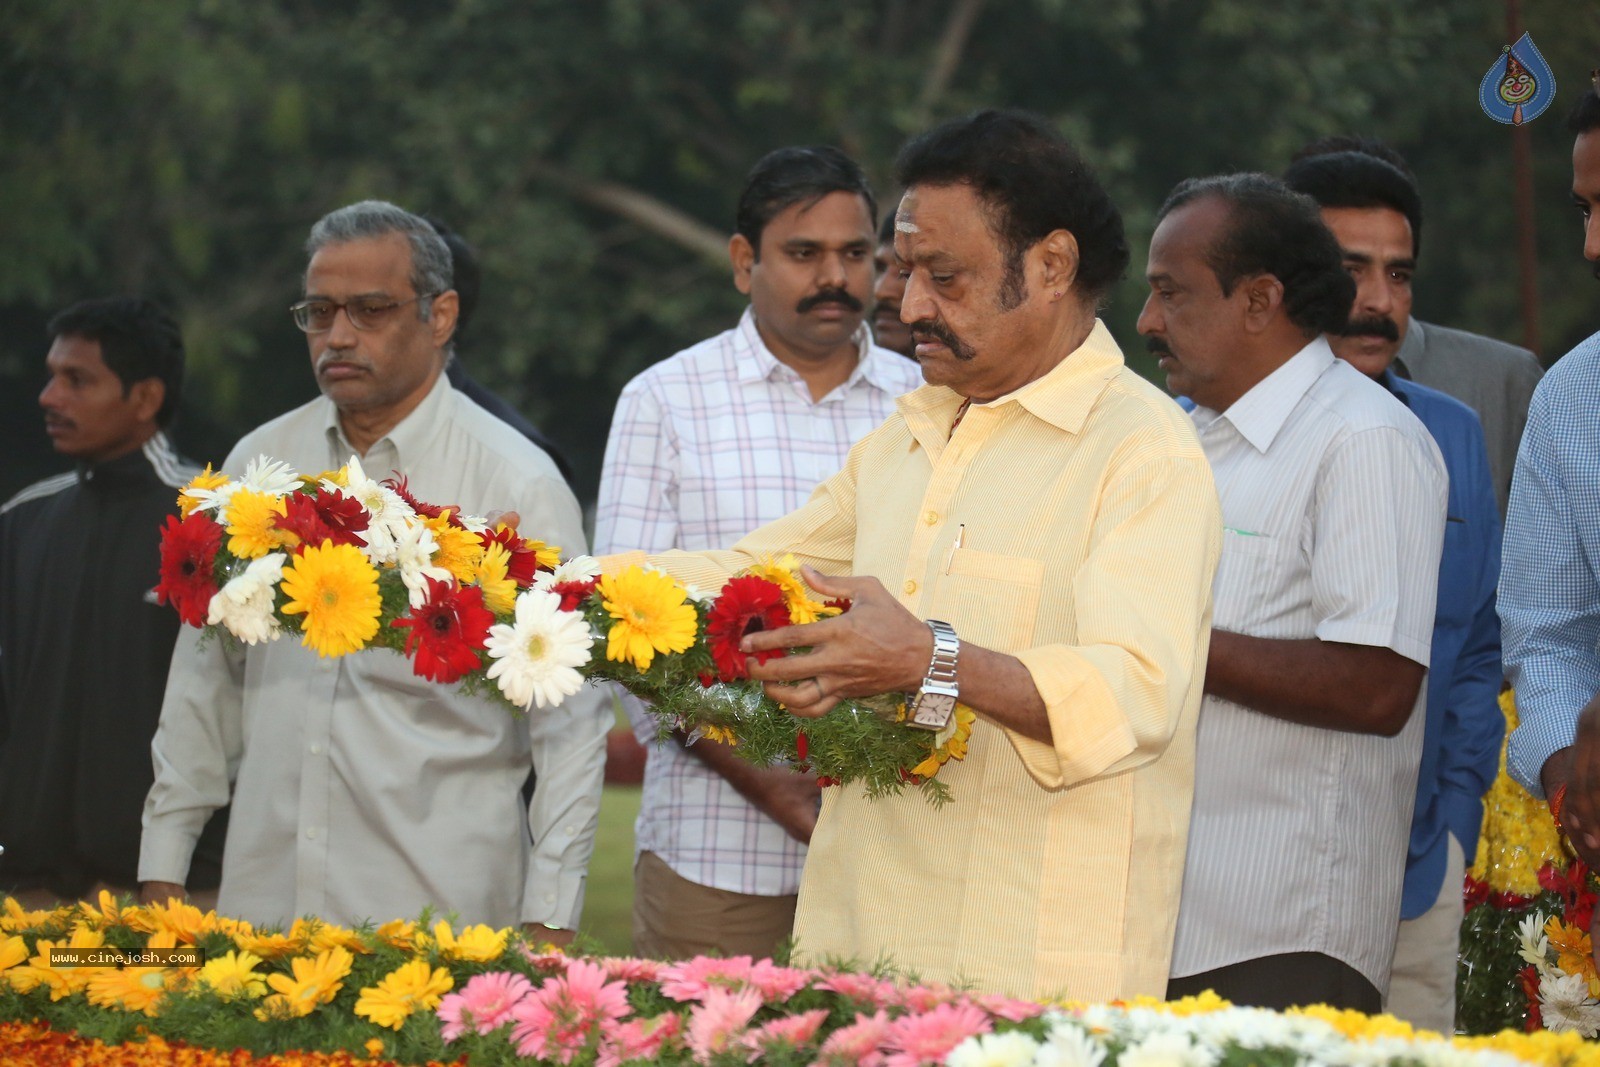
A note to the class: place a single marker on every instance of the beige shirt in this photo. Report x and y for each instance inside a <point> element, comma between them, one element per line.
<point>359,790</point>
<point>1091,536</point>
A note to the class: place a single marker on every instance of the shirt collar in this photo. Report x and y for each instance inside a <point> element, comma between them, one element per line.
<point>1261,412</point>
<point>412,436</point>
<point>128,467</point>
<point>753,361</point>
<point>1063,396</point>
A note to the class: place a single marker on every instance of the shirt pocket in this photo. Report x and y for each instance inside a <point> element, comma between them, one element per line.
<point>992,600</point>
<point>1262,585</point>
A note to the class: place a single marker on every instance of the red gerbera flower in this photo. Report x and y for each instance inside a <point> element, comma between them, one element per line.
<point>523,563</point>
<point>188,554</point>
<point>448,631</point>
<point>325,516</point>
<point>573,594</point>
<point>432,511</point>
<point>746,605</point>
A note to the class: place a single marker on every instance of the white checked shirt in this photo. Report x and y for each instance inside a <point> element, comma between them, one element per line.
<point>1333,511</point>
<point>705,447</point>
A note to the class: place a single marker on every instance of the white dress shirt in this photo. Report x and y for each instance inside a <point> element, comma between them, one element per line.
<point>706,446</point>
<point>359,790</point>
<point>1333,511</point>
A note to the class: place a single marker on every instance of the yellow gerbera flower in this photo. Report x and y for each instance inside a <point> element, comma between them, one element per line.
<point>459,550</point>
<point>206,479</point>
<point>492,576</point>
<point>340,477</point>
<point>62,982</point>
<point>409,987</point>
<point>1574,949</point>
<point>949,743</point>
<point>478,944</point>
<point>13,950</point>
<point>250,518</point>
<point>336,588</point>
<point>184,921</point>
<point>17,918</point>
<point>653,615</point>
<point>272,946</point>
<point>315,982</point>
<point>129,988</point>
<point>784,573</point>
<point>723,734</point>
<point>544,555</point>
<point>327,935</point>
<point>402,934</point>
<point>234,976</point>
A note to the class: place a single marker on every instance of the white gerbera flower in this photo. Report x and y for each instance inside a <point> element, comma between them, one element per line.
<point>576,569</point>
<point>270,476</point>
<point>473,523</point>
<point>1535,945</point>
<point>1070,1045</point>
<point>413,555</point>
<point>244,604</point>
<point>536,658</point>
<point>1565,1003</point>
<point>389,513</point>
<point>1011,1049</point>
<point>1171,1049</point>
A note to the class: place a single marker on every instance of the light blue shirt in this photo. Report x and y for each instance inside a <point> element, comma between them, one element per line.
<point>1549,591</point>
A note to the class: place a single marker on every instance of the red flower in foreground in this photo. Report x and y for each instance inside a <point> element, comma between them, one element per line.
<point>447,631</point>
<point>573,594</point>
<point>325,516</point>
<point>188,554</point>
<point>1528,979</point>
<point>522,562</point>
<point>432,511</point>
<point>746,605</point>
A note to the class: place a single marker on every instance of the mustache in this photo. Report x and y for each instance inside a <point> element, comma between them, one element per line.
<point>930,330</point>
<point>331,356</point>
<point>1371,326</point>
<point>829,296</point>
<point>1157,346</point>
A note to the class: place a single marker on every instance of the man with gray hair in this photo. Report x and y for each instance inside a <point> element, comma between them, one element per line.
<point>360,790</point>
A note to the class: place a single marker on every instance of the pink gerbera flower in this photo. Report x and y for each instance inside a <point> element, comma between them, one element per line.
<point>779,983</point>
<point>631,969</point>
<point>640,1039</point>
<point>915,1040</point>
<point>1008,1008</point>
<point>717,1023</point>
<point>484,1003</point>
<point>921,998</point>
<point>558,1020</point>
<point>862,988</point>
<point>693,979</point>
<point>856,1045</point>
<point>792,1031</point>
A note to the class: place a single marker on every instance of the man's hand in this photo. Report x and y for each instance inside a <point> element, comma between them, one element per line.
<point>540,934</point>
<point>786,796</point>
<point>161,892</point>
<point>1578,767</point>
<point>875,647</point>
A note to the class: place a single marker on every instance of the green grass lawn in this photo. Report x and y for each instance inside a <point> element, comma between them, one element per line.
<point>608,896</point>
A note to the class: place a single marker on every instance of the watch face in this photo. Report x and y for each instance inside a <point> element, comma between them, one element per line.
<point>933,710</point>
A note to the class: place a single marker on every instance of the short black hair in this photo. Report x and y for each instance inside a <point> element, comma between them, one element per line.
<point>467,274</point>
<point>1346,142</point>
<point>1585,114</point>
<point>794,175</point>
<point>886,229</point>
<point>1358,179</point>
<point>1033,181</point>
<point>137,340</point>
<point>1274,230</point>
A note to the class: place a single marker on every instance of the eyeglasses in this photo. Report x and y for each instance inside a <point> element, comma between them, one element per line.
<point>364,312</point>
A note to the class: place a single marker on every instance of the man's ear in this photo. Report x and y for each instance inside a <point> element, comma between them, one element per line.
<point>743,257</point>
<point>147,395</point>
<point>1057,254</point>
<point>1263,299</point>
<point>446,308</point>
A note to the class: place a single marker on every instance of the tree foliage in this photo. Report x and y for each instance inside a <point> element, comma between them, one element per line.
<point>593,151</point>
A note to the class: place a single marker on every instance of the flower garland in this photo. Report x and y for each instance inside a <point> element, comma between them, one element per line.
<point>349,563</point>
<point>1525,947</point>
<point>408,992</point>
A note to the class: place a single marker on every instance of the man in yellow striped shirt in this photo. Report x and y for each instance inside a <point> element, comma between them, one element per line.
<point>1057,513</point>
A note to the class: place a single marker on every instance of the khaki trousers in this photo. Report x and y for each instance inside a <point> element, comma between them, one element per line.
<point>674,918</point>
<point>1422,986</point>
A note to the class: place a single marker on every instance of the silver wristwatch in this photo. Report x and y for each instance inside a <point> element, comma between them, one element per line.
<point>931,706</point>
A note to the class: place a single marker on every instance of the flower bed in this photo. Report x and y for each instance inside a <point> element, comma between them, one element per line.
<point>420,993</point>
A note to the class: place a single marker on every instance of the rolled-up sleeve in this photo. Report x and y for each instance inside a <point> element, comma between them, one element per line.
<point>1142,601</point>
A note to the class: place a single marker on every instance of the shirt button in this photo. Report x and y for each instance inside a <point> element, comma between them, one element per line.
<point>311,834</point>
<point>316,750</point>
<point>931,518</point>
<point>549,898</point>
<point>570,831</point>
<point>910,586</point>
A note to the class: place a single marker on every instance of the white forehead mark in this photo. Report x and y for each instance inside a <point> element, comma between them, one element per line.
<point>904,225</point>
